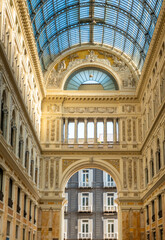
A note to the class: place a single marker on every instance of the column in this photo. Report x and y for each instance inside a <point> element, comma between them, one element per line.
<point>105,130</point>
<point>75,130</point>
<point>95,130</point>
<point>114,130</point>
<point>62,128</point>
<point>66,130</point>
<point>119,131</point>
<point>85,130</point>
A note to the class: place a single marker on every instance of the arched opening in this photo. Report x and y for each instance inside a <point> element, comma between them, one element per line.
<point>96,185</point>
<point>91,207</point>
<point>91,78</point>
<point>4,114</point>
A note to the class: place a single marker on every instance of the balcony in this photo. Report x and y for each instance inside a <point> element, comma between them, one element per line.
<point>84,235</point>
<point>85,208</point>
<point>153,217</point>
<point>1,196</point>
<point>109,184</point>
<point>66,208</point>
<point>160,214</point>
<point>110,208</point>
<point>10,202</point>
<point>85,184</point>
<point>18,209</point>
<point>111,236</point>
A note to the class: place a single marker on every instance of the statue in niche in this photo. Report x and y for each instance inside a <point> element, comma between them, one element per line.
<point>61,66</point>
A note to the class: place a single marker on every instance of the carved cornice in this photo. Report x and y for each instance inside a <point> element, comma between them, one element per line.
<point>23,15</point>
<point>101,98</point>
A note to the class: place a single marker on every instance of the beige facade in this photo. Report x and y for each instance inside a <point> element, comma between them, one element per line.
<point>35,151</point>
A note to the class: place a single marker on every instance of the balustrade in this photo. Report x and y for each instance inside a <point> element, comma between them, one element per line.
<point>109,134</point>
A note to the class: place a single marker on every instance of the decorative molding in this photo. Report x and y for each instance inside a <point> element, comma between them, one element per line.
<point>114,162</point>
<point>67,162</point>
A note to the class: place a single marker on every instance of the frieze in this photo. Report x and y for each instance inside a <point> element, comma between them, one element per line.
<point>90,110</point>
<point>56,76</point>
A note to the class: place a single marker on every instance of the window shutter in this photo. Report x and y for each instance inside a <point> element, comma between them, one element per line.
<point>91,177</point>
<point>104,201</point>
<point>79,201</point>
<point>91,201</point>
<point>79,227</point>
<point>105,227</point>
<point>79,178</point>
<point>91,227</point>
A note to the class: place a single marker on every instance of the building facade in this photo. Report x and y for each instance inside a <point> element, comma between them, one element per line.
<point>81,64</point>
<point>91,211</point>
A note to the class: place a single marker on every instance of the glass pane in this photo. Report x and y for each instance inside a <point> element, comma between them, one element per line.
<point>110,131</point>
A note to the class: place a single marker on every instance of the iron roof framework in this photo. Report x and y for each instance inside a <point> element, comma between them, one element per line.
<point>127,25</point>
<point>91,75</point>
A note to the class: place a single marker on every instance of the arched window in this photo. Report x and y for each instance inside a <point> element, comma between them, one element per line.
<point>146,173</point>
<point>20,146</point>
<point>31,164</point>
<point>158,157</point>
<point>4,115</point>
<point>152,164</point>
<point>13,131</point>
<point>26,165</point>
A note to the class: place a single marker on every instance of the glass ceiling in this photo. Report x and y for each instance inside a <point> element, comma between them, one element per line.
<point>90,76</point>
<point>127,25</point>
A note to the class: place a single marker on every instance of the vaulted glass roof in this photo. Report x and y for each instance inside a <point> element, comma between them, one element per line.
<point>127,25</point>
<point>89,76</point>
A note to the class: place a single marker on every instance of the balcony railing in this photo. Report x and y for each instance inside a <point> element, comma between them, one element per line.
<point>109,184</point>
<point>65,208</point>
<point>85,208</point>
<point>109,208</point>
<point>85,184</point>
<point>1,196</point>
<point>111,236</point>
<point>84,235</point>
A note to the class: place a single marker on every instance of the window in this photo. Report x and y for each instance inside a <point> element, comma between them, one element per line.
<point>30,209</point>
<point>1,184</point>
<point>85,202</point>
<point>71,128</point>
<point>8,228</point>
<point>18,200</point>
<point>161,234</point>
<point>10,201</point>
<point>154,235</point>
<point>100,129</point>
<point>160,206</point>
<point>146,175</point>
<point>23,234</point>
<point>17,232</point>
<point>153,211</point>
<point>108,202</point>
<point>158,156</point>
<point>29,235</point>
<point>147,213</point>
<point>90,131</point>
<point>25,199</point>
<point>65,228</point>
<point>108,180</point>
<point>109,131</point>
<point>110,228</point>
<point>85,178</point>
<point>80,132</point>
<point>85,228</point>
<point>35,214</point>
